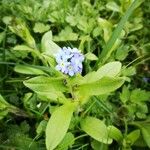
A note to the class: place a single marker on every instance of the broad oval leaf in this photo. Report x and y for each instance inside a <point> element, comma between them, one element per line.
<point>115,133</point>
<point>96,129</point>
<point>133,136</point>
<point>111,69</point>
<point>67,141</point>
<point>91,56</point>
<point>58,125</point>
<point>102,86</point>
<point>46,86</point>
<point>28,70</point>
<point>48,46</point>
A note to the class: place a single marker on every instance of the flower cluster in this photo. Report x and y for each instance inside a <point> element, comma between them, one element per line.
<point>69,61</point>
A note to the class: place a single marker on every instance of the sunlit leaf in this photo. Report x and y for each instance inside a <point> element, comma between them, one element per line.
<point>40,27</point>
<point>96,129</point>
<point>115,133</point>
<point>28,70</point>
<point>48,46</point>
<point>58,125</point>
<point>111,69</point>
<point>47,87</point>
<point>113,6</point>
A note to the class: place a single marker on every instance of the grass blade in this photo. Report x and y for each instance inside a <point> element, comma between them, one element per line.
<point>115,35</point>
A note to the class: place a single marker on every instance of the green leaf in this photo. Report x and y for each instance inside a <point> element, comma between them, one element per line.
<point>3,113</point>
<point>23,48</point>
<point>66,35</point>
<point>102,86</point>
<point>96,145</point>
<point>139,95</point>
<point>58,125</point>
<point>48,46</point>
<point>67,141</point>
<point>28,70</point>
<point>125,95</point>
<point>106,53</point>
<point>3,103</point>
<point>97,31</point>
<point>96,129</point>
<point>50,60</point>
<point>91,56</point>
<point>2,36</point>
<point>133,136</point>
<point>140,142</point>
<point>130,71</point>
<point>3,107</point>
<point>46,86</point>
<point>146,134</point>
<point>111,69</point>
<point>113,6</point>
<point>7,20</point>
<point>19,27</point>
<point>122,52</point>
<point>72,20</point>
<point>41,127</point>
<point>145,130</point>
<point>40,27</point>
<point>107,28</point>
<point>115,133</point>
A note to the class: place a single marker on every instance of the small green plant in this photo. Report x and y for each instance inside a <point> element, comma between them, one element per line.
<point>74,75</point>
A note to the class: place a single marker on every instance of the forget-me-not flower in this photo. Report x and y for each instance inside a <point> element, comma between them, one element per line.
<point>69,61</point>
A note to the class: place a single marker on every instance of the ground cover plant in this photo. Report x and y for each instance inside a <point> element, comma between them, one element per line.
<point>74,75</point>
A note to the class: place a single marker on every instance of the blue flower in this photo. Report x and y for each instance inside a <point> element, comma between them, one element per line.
<point>69,61</point>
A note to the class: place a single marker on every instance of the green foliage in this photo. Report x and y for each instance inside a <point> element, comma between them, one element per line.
<point>66,35</point>
<point>146,134</point>
<point>67,141</point>
<point>3,107</point>
<point>133,136</point>
<point>139,95</point>
<point>96,129</point>
<point>106,106</point>
<point>102,86</point>
<point>48,46</point>
<point>21,141</point>
<point>91,56</point>
<point>115,133</point>
<point>58,125</point>
<point>47,86</point>
<point>28,70</point>
<point>108,49</point>
<point>40,27</point>
<point>19,27</point>
<point>111,69</point>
